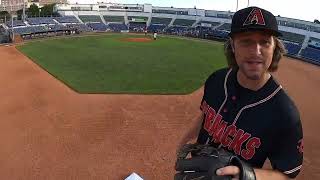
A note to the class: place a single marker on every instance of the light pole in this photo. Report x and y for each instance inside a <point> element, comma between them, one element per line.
<point>24,11</point>
<point>237,5</point>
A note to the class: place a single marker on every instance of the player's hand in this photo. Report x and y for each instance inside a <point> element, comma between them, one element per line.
<point>233,171</point>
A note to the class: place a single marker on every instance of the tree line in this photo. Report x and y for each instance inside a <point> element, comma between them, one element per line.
<point>32,11</point>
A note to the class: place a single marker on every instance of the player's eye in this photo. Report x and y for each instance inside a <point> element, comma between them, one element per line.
<point>245,42</point>
<point>265,42</point>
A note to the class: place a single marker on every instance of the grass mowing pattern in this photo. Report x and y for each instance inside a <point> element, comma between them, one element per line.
<point>104,64</point>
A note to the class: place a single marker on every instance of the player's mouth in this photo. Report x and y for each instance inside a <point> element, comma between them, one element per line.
<point>254,63</point>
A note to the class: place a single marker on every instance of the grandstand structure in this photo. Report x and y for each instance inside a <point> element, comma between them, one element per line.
<point>301,38</point>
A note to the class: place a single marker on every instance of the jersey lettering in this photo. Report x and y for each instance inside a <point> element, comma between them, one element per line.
<point>216,122</point>
<point>229,136</point>
<point>251,146</point>
<point>209,118</point>
<point>217,134</point>
<point>237,142</point>
<point>230,132</point>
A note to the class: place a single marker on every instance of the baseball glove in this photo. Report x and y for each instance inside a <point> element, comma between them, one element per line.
<point>204,162</point>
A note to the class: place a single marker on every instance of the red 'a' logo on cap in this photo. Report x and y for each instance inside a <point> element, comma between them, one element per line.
<point>255,17</point>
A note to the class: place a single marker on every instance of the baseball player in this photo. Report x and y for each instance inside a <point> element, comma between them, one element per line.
<point>244,109</point>
<point>155,35</point>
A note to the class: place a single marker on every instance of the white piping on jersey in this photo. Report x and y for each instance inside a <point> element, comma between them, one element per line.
<point>257,103</point>
<point>245,107</point>
<point>224,101</point>
<point>293,170</point>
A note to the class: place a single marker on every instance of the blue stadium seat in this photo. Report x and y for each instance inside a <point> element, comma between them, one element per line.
<point>292,48</point>
<point>312,54</point>
<point>116,27</point>
<point>67,19</point>
<point>156,27</point>
<point>98,26</point>
<point>15,23</point>
<point>40,20</point>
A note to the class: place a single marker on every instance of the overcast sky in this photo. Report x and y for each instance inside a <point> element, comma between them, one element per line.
<point>304,9</point>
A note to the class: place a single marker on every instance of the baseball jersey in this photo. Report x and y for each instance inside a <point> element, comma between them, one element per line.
<point>255,125</point>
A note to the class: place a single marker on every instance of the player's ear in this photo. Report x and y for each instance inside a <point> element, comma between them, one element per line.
<point>232,44</point>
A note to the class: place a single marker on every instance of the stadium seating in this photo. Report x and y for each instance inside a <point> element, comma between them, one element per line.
<point>97,26</point>
<point>67,19</point>
<point>292,37</point>
<point>40,20</point>
<point>90,18</point>
<point>15,23</point>
<point>221,34</point>
<point>30,30</point>
<point>315,29</point>
<point>156,27</point>
<point>57,27</point>
<point>137,27</point>
<point>137,18</point>
<point>161,21</point>
<point>176,30</point>
<point>114,19</point>
<point>312,54</point>
<point>292,48</point>
<point>225,27</point>
<point>183,22</point>
<point>209,22</point>
<point>79,27</point>
<point>116,27</point>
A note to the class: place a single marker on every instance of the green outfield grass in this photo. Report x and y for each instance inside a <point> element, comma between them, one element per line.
<point>104,64</point>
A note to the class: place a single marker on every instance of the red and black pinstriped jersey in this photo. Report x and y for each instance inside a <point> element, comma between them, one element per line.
<point>255,125</point>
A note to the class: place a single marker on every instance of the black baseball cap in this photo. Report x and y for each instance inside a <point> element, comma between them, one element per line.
<point>254,19</point>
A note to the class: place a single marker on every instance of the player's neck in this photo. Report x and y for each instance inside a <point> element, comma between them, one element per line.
<point>252,84</point>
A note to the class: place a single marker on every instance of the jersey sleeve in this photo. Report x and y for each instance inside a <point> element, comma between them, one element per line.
<point>287,153</point>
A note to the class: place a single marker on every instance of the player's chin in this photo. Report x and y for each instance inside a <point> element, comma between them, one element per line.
<point>254,75</point>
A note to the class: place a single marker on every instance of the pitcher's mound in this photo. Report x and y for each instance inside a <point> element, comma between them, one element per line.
<point>136,39</point>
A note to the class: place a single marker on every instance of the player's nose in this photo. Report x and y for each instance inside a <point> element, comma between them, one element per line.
<point>256,49</point>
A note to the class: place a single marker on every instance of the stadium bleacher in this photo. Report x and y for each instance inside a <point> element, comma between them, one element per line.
<point>161,21</point>
<point>118,27</point>
<point>137,18</point>
<point>156,27</point>
<point>67,19</point>
<point>292,37</point>
<point>292,48</point>
<point>57,27</point>
<point>209,22</point>
<point>40,20</point>
<point>207,29</point>
<point>15,23</point>
<point>90,18</point>
<point>183,22</point>
<point>225,27</point>
<point>79,27</point>
<point>220,34</point>
<point>311,54</point>
<point>178,30</point>
<point>30,30</point>
<point>114,18</point>
<point>97,26</point>
<point>137,27</point>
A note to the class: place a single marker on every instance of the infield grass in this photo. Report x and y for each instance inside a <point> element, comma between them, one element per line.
<point>104,64</point>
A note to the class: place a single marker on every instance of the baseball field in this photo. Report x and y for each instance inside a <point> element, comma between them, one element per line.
<point>128,64</point>
<point>102,107</point>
